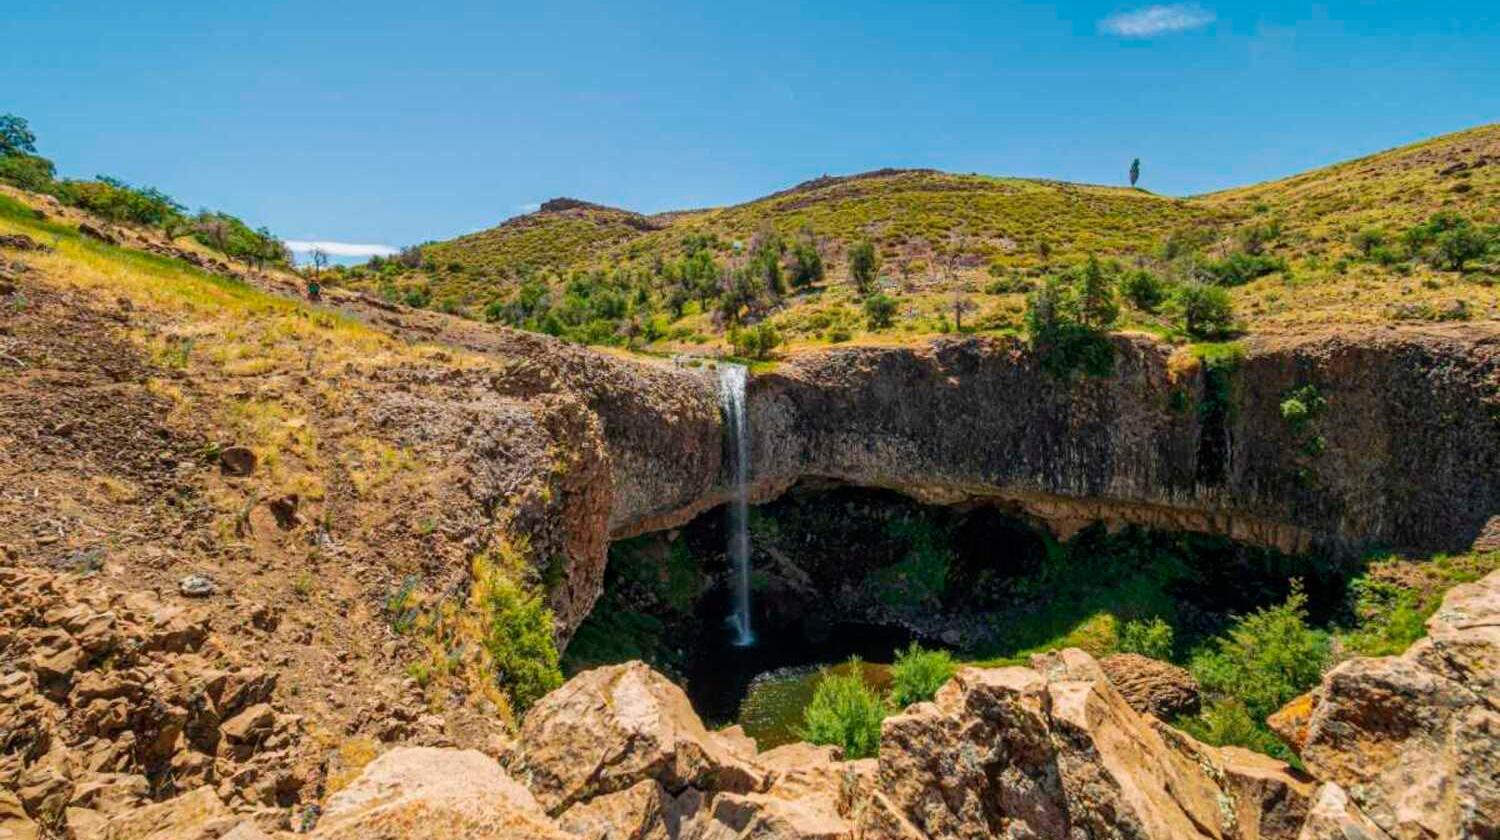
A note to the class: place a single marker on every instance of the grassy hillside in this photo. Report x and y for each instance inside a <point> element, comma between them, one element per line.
<point>1361,241</point>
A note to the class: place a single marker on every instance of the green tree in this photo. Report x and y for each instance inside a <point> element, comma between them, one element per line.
<point>880,309</point>
<point>1135,171</point>
<point>29,172</point>
<point>918,673</point>
<point>845,712</point>
<point>1457,246</point>
<point>864,265</point>
<point>807,263</point>
<point>15,136</point>
<point>1206,310</point>
<point>1144,290</point>
<point>1095,290</point>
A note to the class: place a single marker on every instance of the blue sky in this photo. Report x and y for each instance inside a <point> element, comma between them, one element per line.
<point>382,122</point>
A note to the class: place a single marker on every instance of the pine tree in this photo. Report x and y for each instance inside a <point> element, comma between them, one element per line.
<point>1135,171</point>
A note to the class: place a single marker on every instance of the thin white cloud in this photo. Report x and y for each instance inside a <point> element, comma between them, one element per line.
<point>529,207</point>
<point>1157,20</point>
<point>340,249</point>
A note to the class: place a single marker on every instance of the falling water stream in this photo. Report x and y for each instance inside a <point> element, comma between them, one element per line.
<point>732,381</point>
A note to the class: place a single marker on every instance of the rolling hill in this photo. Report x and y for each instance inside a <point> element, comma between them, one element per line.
<point>1288,248</point>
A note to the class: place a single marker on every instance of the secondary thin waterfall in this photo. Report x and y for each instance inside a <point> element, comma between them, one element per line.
<point>732,381</point>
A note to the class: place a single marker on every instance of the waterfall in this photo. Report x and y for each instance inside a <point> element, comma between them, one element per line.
<point>732,381</point>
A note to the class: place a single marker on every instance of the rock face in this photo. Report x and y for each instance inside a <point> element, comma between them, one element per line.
<point>424,792</point>
<point>611,728</point>
<point>1414,739</point>
<point>108,700</point>
<point>1012,752</point>
<point>1408,432</point>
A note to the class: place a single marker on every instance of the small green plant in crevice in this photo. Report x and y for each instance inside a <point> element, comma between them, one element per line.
<point>403,606</point>
<point>845,712</point>
<point>1151,638</point>
<point>918,673</point>
<point>1216,412</point>
<point>519,641</point>
<point>1300,409</point>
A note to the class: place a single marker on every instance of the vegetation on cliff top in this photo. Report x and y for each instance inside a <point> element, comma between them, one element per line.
<point>1408,234</point>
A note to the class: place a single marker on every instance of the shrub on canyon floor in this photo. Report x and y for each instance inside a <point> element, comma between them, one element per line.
<point>1148,638</point>
<point>845,712</point>
<point>918,673</point>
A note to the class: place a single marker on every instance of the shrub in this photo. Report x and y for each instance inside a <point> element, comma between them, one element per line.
<point>1227,723</point>
<point>864,264</point>
<point>1058,335</point>
<point>1240,268</point>
<point>1267,658</point>
<point>1144,290</point>
<point>1369,240</point>
<point>807,264</point>
<point>519,641</point>
<point>28,172</point>
<point>845,712</point>
<point>1457,246</point>
<point>757,342</point>
<point>1094,302</point>
<point>1206,310</point>
<point>880,310</point>
<point>1148,638</point>
<point>918,673</point>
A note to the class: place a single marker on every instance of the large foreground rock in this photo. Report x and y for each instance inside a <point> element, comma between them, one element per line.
<point>611,728</point>
<point>416,792</point>
<point>1415,739</point>
<point>1012,752</point>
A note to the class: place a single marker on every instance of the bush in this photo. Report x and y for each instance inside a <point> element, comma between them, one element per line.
<point>1206,310</point>
<point>864,264</point>
<point>120,202</point>
<point>1148,638</point>
<point>1456,247</point>
<point>758,342</point>
<point>1267,658</point>
<point>918,673</point>
<point>807,264</point>
<point>28,172</point>
<point>880,310</point>
<point>1240,268</point>
<point>1144,290</point>
<point>1227,723</point>
<point>845,712</point>
<point>519,641</point>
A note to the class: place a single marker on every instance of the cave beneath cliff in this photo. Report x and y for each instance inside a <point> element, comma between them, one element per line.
<point>840,571</point>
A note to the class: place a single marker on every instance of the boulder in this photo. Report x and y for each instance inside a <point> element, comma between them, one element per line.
<point>425,792</point>
<point>611,728</point>
<point>1059,753</point>
<point>14,823</point>
<point>1333,817</point>
<point>1412,738</point>
<point>195,815</point>
<point>1151,686</point>
<point>237,460</point>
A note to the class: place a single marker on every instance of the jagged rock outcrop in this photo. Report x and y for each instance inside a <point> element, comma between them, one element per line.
<point>111,700</point>
<point>424,792</point>
<point>1414,739</point>
<point>611,728</point>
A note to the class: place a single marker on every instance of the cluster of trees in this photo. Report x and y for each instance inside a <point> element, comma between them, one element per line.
<point>123,203</point>
<point>1068,315</point>
<point>1445,240</point>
